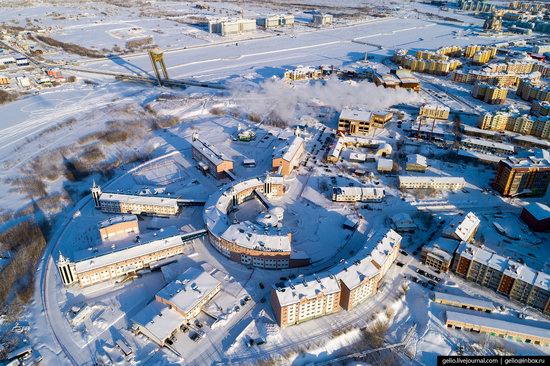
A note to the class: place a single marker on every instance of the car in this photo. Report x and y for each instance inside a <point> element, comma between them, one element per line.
<point>198,323</point>
<point>247,298</point>
<point>262,300</point>
<point>195,337</point>
<point>399,264</point>
<point>169,341</point>
<point>237,308</point>
<point>403,252</point>
<point>283,278</point>
<point>261,284</point>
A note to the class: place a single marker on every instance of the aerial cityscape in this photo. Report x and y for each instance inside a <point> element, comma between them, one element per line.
<point>309,182</point>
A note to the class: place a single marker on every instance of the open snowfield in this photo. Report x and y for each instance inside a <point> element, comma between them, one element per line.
<point>48,137</point>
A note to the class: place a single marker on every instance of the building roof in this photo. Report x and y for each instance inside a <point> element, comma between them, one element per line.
<point>158,319</point>
<point>417,160</point>
<point>464,300</point>
<point>488,144</point>
<point>403,220</point>
<point>355,114</point>
<point>462,227</point>
<point>539,210</point>
<point>149,243</point>
<point>479,155</point>
<point>288,150</point>
<point>138,199</point>
<point>443,247</point>
<point>116,220</point>
<point>209,151</point>
<point>359,191</point>
<point>502,325</point>
<point>384,164</point>
<point>188,289</point>
<point>406,179</point>
<point>357,156</point>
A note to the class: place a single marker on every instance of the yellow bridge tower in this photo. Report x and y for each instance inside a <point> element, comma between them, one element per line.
<point>157,58</point>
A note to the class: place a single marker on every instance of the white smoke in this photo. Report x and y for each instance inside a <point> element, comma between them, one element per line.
<point>292,101</point>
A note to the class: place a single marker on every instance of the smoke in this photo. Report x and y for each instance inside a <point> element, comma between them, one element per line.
<point>292,101</point>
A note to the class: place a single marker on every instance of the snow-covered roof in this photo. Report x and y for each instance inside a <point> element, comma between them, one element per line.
<point>188,289</point>
<point>138,199</point>
<point>359,191</point>
<point>309,287</point>
<point>403,220</point>
<point>463,300</point>
<point>117,220</point>
<point>289,148</point>
<point>443,247</point>
<point>488,144</point>
<point>539,210</point>
<point>479,155</point>
<point>355,114</point>
<point>462,227</point>
<point>407,179</point>
<point>502,325</point>
<point>158,320</point>
<point>357,156</point>
<point>209,151</point>
<point>244,234</point>
<point>384,164</point>
<point>417,160</point>
<point>147,244</point>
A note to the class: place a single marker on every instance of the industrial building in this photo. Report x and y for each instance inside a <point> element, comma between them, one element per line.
<point>286,157</point>
<point>417,163</point>
<point>510,330</point>
<point>537,216</point>
<point>423,182</point>
<point>118,226</point>
<point>360,122</point>
<point>439,254</point>
<point>175,305</point>
<point>528,176</point>
<point>210,159</point>
<point>503,275</point>
<point>321,20</point>
<point>434,111</point>
<point>264,243</point>
<point>226,27</point>
<point>490,94</point>
<point>276,21</point>
<point>464,302</point>
<point>357,194</point>
<point>462,228</point>
<point>133,204</point>
<point>122,258</point>
<point>345,285</point>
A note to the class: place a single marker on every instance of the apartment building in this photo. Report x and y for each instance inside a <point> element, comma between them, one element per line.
<point>528,176</point>
<point>524,124</point>
<point>490,94</point>
<point>540,108</point>
<point>501,79</point>
<point>487,146</point>
<point>357,194</point>
<point>462,228</point>
<point>360,122</point>
<point>423,182</point>
<point>435,111</point>
<point>276,21</point>
<point>226,27</point>
<point>133,204</point>
<point>439,254</point>
<point>321,20</point>
<point>303,73</point>
<point>517,281</point>
<point>530,90</point>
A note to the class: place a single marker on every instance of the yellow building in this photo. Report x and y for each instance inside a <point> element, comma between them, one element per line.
<point>434,111</point>
<point>490,94</point>
<point>118,226</point>
<point>4,80</point>
<point>360,122</point>
<point>287,156</point>
<point>495,122</point>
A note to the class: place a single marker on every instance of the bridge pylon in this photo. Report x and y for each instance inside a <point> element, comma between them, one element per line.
<point>157,60</point>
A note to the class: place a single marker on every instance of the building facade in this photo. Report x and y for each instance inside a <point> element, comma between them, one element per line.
<point>360,122</point>
<point>422,182</point>
<point>357,194</point>
<point>288,155</point>
<point>210,159</point>
<point>523,176</point>
<point>490,94</point>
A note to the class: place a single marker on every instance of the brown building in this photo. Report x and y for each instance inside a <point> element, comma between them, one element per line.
<point>360,122</point>
<point>210,159</point>
<point>287,156</point>
<point>537,216</point>
<point>523,176</point>
<point>118,226</point>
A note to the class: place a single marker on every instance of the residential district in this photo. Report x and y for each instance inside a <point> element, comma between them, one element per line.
<point>386,209</point>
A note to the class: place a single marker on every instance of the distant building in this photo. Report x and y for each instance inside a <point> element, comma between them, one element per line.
<point>360,122</point>
<point>487,146</point>
<point>303,73</point>
<point>528,176</point>
<point>321,20</point>
<point>210,159</point>
<point>423,182</point>
<point>537,216</point>
<point>416,163</point>
<point>384,165</point>
<point>357,194</point>
<point>439,254</point>
<point>276,21</point>
<point>493,23</point>
<point>503,275</point>
<point>4,80</point>
<point>490,94</point>
<point>133,204</point>
<point>226,27</point>
<point>118,226</point>
<point>434,111</point>
<point>287,156</point>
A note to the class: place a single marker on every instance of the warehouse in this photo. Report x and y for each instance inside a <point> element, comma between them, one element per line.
<point>506,329</point>
<point>537,216</point>
<point>210,158</point>
<point>464,302</point>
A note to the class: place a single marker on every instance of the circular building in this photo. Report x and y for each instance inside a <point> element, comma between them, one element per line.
<point>263,243</point>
